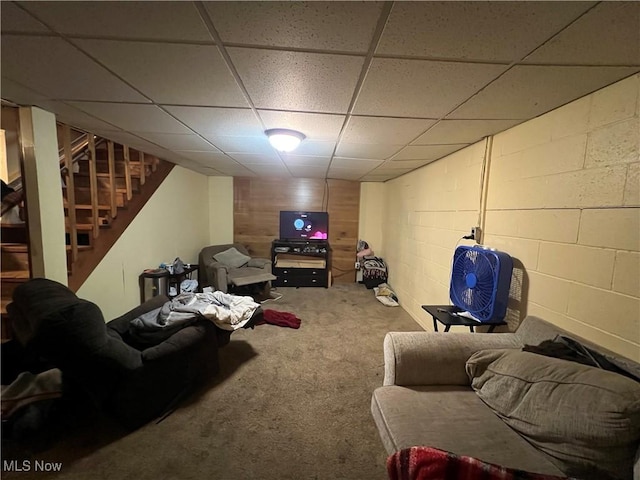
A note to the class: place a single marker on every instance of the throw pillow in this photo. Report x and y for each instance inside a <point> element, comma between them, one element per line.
<point>587,419</point>
<point>232,258</point>
<point>427,463</point>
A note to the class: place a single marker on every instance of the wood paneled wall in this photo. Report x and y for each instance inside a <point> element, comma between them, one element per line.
<point>257,206</point>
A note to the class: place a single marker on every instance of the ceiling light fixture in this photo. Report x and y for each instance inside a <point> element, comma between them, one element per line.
<point>284,140</point>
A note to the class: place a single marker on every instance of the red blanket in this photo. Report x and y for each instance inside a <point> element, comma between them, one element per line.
<point>283,319</point>
<point>425,463</point>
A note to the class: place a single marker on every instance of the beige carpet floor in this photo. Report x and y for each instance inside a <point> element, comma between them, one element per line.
<point>287,404</point>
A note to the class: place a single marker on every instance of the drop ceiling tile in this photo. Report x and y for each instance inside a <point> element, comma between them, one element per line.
<point>427,152</point>
<point>487,31</point>
<point>156,69</point>
<point>132,141</point>
<point>169,21</point>
<point>310,82</point>
<point>210,172</point>
<point>132,117</point>
<point>14,19</point>
<point>50,66</point>
<point>178,141</point>
<point>342,26</point>
<point>267,158</point>
<point>269,170</point>
<point>344,174</point>
<point>317,148</point>
<point>218,121</point>
<point>377,177</point>
<point>420,88</point>
<point>296,161</point>
<point>355,163</point>
<point>308,172</point>
<point>209,158</point>
<point>241,144</point>
<point>315,126</point>
<point>238,171</point>
<point>607,35</point>
<point>75,118</point>
<point>526,91</point>
<point>394,171</point>
<point>363,150</point>
<point>410,164</point>
<point>462,131</point>
<point>19,94</point>
<point>393,131</point>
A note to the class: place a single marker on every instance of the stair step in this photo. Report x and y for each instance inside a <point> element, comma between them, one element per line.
<point>14,277</point>
<point>103,221</point>
<point>14,233</point>
<point>84,181</point>
<point>14,257</point>
<point>83,196</point>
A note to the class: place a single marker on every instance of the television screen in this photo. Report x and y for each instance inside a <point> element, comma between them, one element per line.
<point>304,225</point>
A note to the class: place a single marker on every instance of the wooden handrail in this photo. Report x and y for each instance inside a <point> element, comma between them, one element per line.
<point>111,160</point>
<point>71,193</point>
<point>93,183</point>
<point>143,174</point>
<point>127,172</point>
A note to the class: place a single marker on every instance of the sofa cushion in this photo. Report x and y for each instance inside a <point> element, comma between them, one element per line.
<point>232,258</point>
<point>451,418</point>
<point>587,419</point>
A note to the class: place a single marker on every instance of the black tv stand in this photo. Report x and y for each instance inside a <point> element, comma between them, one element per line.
<point>299,263</point>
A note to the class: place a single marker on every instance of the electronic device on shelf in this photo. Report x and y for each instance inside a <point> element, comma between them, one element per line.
<point>309,226</point>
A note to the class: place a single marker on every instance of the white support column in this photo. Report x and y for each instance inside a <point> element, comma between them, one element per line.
<point>43,194</point>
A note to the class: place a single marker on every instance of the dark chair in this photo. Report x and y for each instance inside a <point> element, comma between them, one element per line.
<point>133,381</point>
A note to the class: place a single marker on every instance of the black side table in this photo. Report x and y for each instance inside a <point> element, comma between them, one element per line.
<point>442,314</point>
<point>158,281</point>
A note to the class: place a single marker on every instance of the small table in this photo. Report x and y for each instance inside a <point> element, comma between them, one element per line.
<point>442,314</point>
<point>158,281</point>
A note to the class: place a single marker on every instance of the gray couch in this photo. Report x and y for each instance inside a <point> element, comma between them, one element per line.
<point>481,395</point>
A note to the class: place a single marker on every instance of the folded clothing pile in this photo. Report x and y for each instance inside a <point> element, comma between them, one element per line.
<point>385,295</point>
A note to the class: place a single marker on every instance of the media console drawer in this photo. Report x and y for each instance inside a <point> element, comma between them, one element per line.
<point>301,281</point>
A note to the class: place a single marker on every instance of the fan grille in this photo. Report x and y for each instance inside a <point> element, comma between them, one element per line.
<point>475,276</point>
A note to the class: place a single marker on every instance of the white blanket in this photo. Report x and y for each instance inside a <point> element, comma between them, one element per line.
<point>228,312</point>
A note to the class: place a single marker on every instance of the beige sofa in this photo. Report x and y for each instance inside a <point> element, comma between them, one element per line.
<point>481,395</point>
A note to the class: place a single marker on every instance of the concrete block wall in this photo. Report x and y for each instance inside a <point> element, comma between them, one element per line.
<point>562,197</point>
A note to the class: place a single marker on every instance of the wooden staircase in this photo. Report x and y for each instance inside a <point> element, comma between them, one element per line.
<point>105,185</point>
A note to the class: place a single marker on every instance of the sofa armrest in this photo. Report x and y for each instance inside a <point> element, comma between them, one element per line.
<point>215,274</point>
<point>121,323</point>
<point>430,358</point>
<point>182,341</point>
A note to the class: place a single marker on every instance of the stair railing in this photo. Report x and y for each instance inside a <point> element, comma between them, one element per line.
<point>71,192</point>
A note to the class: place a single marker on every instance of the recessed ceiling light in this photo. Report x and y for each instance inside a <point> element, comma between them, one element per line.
<point>284,140</point>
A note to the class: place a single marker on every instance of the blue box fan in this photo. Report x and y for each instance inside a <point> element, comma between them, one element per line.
<point>480,282</point>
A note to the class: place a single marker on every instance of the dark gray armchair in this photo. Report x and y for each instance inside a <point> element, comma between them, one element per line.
<point>233,270</point>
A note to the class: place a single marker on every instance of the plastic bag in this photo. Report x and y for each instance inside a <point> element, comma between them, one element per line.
<point>178,266</point>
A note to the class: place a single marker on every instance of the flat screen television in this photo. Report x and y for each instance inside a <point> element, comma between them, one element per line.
<point>304,225</point>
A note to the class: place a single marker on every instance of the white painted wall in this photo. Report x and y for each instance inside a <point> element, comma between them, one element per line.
<point>563,199</point>
<point>174,223</point>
